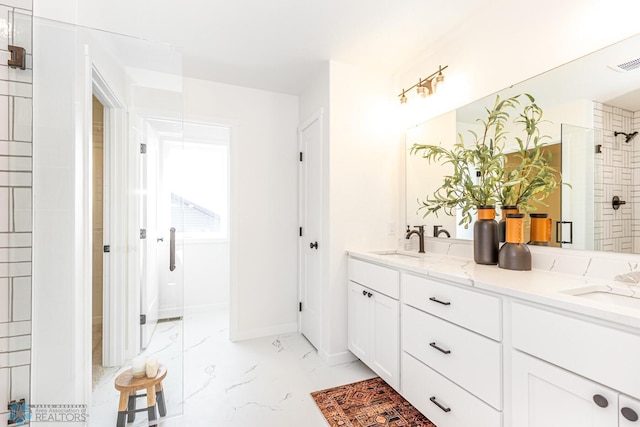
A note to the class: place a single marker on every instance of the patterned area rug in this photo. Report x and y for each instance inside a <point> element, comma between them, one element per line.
<point>369,403</point>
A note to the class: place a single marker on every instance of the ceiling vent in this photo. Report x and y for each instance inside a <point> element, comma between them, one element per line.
<point>634,64</point>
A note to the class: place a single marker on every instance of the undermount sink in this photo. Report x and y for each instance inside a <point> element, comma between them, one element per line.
<point>620,296</point>
<point>399,255</point>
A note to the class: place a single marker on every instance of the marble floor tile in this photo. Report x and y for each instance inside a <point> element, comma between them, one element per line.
<point>263,382</point>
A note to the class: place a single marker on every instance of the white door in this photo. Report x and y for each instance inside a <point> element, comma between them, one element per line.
<point>149,286</point>
<point>311,247</point>
<point>547,396</point>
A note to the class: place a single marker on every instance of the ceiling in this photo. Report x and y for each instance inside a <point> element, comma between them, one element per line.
<point>278,45</point>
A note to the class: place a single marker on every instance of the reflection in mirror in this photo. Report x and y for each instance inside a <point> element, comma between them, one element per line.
<point>592,108</point>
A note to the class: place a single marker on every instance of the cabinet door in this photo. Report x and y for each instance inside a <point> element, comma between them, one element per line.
<point>629,412</point>
<point>547,396</point>
<point>385,338</point>
<point>359,321</point>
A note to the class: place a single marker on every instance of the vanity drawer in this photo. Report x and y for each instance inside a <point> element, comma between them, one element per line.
<point>382,279</point>
<point>423,388</point>
<point>478,312</point>
<point>603,354</point>
<point>466,358</point>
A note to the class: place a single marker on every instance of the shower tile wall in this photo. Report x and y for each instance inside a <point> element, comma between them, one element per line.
<point>617,169</point>
<point>15,207</point>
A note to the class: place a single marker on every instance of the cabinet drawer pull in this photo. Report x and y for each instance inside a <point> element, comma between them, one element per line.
<point>434,345</point>
<point>364,293</point>
<point>435,402</point>
<point>600,400</point>
<point>434,299</point>
<point>629,414</point>
<point>369,294</point>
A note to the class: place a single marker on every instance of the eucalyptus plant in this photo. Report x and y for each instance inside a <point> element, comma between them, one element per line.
<point>479,176</point>
<point>533,179</point>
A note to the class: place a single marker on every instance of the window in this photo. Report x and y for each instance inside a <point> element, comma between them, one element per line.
<point>197,179</point>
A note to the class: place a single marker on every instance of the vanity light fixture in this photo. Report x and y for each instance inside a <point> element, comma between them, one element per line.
<point>403,97</point>
<point>426,86</point>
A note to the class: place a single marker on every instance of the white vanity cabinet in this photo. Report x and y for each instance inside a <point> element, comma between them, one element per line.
<point>545,395</point>
<point>374,318</point>
<point>574,373</point>
<point>452,356</point>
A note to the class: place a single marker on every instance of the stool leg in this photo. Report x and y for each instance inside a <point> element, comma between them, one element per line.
<point>131,408</point>
<point>122,408</point>
<point>151,405</point>
<point>162,407</point>
<point>121,418</point>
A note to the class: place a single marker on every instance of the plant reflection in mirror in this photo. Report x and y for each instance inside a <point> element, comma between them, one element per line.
<point>480,176</point>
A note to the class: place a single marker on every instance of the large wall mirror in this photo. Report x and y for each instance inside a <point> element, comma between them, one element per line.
<point>592,108</point>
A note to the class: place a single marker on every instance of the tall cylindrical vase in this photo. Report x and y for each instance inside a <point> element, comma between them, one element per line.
<point>540,229</point>
<point>485,236</point>
<point>502,225</point>
<point>515,254</point>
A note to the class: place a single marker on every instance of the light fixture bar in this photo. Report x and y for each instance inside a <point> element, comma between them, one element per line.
<point>425,85</point>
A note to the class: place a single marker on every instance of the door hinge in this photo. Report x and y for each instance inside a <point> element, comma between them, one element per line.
<point>300,232</point>
<point>143,148</point>
<point>143,319</point>
<point>107,248</point>
<point>143,233</point>
<point>300,306</point>
<point>301,156</point>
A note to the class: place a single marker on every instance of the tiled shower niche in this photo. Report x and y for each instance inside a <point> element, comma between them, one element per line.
<point>15,209</point>
<point>617,173</point>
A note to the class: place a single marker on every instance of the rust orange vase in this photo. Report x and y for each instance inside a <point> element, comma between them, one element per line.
<point>540,229</point>
<point>502,225</point>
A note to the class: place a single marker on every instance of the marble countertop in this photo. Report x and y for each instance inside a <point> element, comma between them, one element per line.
<point>549,288</point>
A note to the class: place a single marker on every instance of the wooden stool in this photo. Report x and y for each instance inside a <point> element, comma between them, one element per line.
<point>128,386</point>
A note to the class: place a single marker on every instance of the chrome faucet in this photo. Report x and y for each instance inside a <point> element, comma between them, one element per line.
<point>438,230</point>
<point>420,233</point>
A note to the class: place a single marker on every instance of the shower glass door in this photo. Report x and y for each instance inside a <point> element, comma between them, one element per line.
<point>581,199</point>
<point>107,276</point>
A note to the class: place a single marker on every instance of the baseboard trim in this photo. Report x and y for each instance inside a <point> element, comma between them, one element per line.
<point>337,358</point>
<point>286,328</point>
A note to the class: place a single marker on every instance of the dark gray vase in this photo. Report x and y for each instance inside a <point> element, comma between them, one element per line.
<point>485,237</point>
<point>515,256</point>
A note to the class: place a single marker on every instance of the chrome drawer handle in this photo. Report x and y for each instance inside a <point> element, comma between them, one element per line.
<point>435,402</point>
<point>434,299</point>
<point>434,345</point>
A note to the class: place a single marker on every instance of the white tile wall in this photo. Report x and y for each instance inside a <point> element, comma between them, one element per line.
<point>15,206</point>
<point>617,174</point>
<point>21,299</point>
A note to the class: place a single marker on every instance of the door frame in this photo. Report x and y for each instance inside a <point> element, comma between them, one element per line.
<point>317,116</point>
<point>114,313</point>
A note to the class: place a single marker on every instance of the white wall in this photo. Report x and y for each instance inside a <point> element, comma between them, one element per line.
<point>206,275</point>
<point>508,44</point>
<point>364,154</point>
<point>263,200</point>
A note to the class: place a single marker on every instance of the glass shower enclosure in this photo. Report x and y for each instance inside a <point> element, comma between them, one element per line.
<point>106,267</point>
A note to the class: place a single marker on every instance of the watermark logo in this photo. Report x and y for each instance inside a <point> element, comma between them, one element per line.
<point>19,412</point>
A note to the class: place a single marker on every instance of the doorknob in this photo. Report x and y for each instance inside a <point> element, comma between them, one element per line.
<point>313,245</point>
